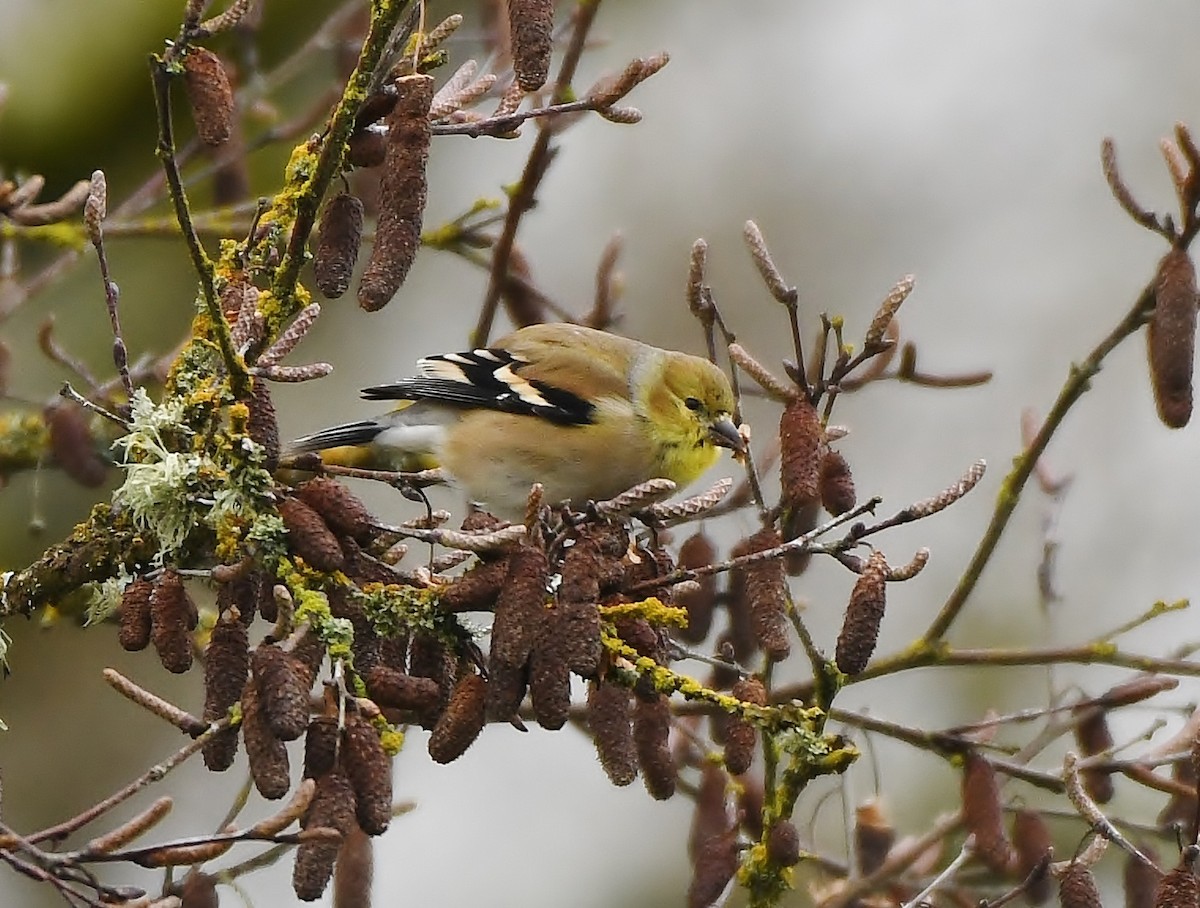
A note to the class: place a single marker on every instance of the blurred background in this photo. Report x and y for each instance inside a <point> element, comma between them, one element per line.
<point>956,141</point>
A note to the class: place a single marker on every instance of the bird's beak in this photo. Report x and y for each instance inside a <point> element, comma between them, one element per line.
<point>725,434</point>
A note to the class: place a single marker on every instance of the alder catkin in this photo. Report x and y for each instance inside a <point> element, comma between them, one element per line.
<point>1031,838</point>
<point>338,236</point>
<point>133,629</point>
<point>696,551</point>
<point>1094,737</point>
<point>1077,888</point>
<point>461,721</point>
<point>1179,888</point>
<point>801,438</point>
<point>268,755</point>
<point>530,25</point>
<point>263,425</point>
<point>332,806</point>
<point>283,689</point>
<point>73,445</point>
<point>369,769</point>
<point>226,664</point>
<point>983,814</point>
<point>837,484</point>
<point>766,595</point>
<point>341,508</point>
<point>172,619</point>
<point>874,835</point>
<point>403,189</point>
<point>864,615</point>
<point>651,737</point>
<point>520,611</point>
<point>310,537</point>
<point>209,95</point>
<point>609,714</point>
<point>1171,338</point>
<point>741,736</point>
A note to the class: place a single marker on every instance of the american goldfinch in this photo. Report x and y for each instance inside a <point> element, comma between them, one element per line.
<point>585,413</point>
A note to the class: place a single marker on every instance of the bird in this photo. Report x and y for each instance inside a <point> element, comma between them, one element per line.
<point>585,413</point>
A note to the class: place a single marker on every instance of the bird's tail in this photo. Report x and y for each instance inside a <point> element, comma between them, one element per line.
<point>348,434</point>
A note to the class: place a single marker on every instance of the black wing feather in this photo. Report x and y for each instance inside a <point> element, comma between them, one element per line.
<point>471,380</point>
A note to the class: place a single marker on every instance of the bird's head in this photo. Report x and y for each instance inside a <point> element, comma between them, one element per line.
<point>693,416</point>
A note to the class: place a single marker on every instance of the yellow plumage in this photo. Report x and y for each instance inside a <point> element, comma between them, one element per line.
<point>586,413</point>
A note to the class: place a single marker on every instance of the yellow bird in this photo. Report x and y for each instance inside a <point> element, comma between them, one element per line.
<point>586,413</point>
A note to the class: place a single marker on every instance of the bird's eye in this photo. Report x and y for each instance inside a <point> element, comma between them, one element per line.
<point>692,403</point>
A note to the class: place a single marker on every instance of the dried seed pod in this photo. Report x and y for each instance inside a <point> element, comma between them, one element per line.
<point>1077,888</point>
<point>320,746</point>
<point>742,736</point>
<point>172,619</point>
<point>864,614</point>
<point>1179,888</point>
<point>983,814</point>
<point>369,769</point>
<point>338,237</point>
<point>268,755</point>
<point>310,537</point>
<point>332,807</point>
<point>801,441</point>
<point>874,835</point>
<point>392,688</point>
<point>462,720</point>
<point>226,664</point>
<point>766,595</point>
<point>1093,736</point>
<point>403,189</point>
<point>283,688</point>
<point>354,872</point>
<point>341,508</point>
<point>651,737</point>
<point>712,871</point>
<point>133,630</point>
<point>530,24</point>
<point>476,590</point>
<point>1140,881</point>
<point>698,551</point>
<point>209,95</point>
<point>263,426</point>
<point>837,484</point>
<point>520,611</point>
<point>1031,838</point>
<point>783,844</point>
<point>609,719</point>
<point>1171,338</point>
<point>73,445</point>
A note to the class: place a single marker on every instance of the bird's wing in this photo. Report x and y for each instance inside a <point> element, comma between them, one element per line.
<point>491,379</point>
